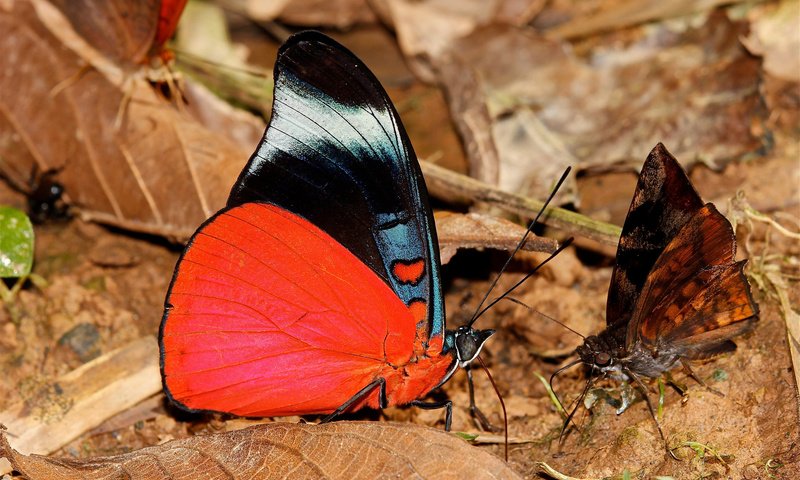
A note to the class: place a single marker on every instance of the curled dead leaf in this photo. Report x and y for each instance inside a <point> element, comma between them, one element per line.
<point>475,230</point>
<point>340,450</point>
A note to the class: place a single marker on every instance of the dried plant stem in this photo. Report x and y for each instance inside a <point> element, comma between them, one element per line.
<point>449,185</point>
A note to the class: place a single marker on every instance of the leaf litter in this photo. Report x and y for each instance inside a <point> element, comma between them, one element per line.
<point>692,85</point>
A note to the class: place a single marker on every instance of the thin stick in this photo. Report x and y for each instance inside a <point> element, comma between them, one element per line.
<point>446,184</point>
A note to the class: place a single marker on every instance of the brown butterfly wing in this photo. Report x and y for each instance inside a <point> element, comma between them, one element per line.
<point>663,202</point>
<point>694,287</point>
<point>722,311</point>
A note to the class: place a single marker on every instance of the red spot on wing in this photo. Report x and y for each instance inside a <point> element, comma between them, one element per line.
<point>409,272</point>
<point>268,315</point>
<point>419,310</point>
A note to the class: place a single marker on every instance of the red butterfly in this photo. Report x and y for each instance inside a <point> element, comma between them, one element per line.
<point>317,289</point>
<point>677,293</point>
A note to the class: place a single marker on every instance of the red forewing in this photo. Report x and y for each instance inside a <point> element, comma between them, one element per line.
<point>269,315</point>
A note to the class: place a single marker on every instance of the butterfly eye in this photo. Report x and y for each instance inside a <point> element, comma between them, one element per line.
<point>602,359</point>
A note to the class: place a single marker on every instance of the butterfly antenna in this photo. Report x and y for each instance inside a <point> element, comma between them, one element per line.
<point>566,243</point>
<point>553,376</point>
<point>537,312</point>
<point>520,244</point>
<point>502,403</point>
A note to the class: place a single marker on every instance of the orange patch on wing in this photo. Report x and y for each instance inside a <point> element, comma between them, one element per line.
<point>409,272</point>
<point>419,310</point>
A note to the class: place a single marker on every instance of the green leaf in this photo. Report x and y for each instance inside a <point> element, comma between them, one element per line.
<point>553,399</point>
<point>466,436</point>
<point>16,243</point>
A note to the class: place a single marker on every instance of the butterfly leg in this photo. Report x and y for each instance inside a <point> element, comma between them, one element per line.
<point>646,396</point>
<point>446,404</point>
<point>688,369</point>
<point>379,383</point>
<point>476,413</point>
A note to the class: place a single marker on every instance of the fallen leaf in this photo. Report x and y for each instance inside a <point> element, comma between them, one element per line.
<point>159,171</point>
<point>426,29</point>
<point>339,450</point>
<point>616,15</point>
<point>775,35</point>
<point>470,116</point>
<point>339,14</point>
<point>552,472</point>
<point>16,243</point>
<point>124,31</point>
<point>549,107</point>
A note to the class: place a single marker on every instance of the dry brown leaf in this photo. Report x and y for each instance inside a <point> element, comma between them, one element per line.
<point>475,230</point>
<point>470,116</point>
<point>159,171</point>
<point>426,29</point>
<point>313,13</point>
<point>613,15</point>
<point>528,157</point>
<point>775,35</point>
<point>696,94</point>
<point>123,31</point>
<point>340,450</point>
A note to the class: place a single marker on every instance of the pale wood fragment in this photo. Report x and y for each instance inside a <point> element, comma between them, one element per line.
<point>83,398</point>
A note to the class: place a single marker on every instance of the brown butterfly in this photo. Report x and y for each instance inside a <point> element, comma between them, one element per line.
<point>676,292</point>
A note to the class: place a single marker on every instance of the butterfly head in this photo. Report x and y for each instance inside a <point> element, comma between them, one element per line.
<point>466,343</point>
<point>597,353</point>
